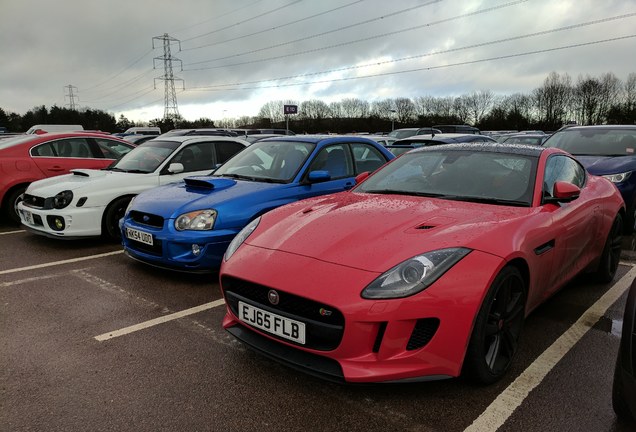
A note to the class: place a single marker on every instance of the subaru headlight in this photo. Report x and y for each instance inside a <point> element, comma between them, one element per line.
<point>200,220</point>
<point>414,275</point>
<point>618,178</point>
<point>240,238</point>
<point>63,199</point>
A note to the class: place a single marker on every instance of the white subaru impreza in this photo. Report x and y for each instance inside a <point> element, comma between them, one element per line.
<point>89,203</point>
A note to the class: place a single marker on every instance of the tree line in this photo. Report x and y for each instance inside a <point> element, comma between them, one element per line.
<point>560,100</point>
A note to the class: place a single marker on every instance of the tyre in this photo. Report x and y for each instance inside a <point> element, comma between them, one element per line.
<point>11,202</point>
<point>114,212</point>
<point>618,395</point>
<point>498,325</point>
<point>611,252</point>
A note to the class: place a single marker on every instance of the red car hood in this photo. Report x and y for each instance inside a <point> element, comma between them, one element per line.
<point>375,232</point>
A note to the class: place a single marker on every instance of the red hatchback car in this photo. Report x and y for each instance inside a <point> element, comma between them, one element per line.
<point>426,269</point>
<point>27,158</point>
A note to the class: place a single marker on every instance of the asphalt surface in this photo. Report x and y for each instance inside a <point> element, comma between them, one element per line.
<point>188,374</point>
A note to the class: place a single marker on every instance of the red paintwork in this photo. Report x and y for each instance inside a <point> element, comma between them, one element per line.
<point>329,249</point>
<point>19,168</point>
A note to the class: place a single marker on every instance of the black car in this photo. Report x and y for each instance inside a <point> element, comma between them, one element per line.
<point>444,138</point>
<point>624,387</point>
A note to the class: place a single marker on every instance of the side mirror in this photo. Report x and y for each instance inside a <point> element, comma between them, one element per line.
<point>175,168</point>
<point>362,177</point>
<point>564,192</point>
<point>318,176</point>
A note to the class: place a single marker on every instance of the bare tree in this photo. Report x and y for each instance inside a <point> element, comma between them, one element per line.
<point>383,109</point>
<point>553,100</point>
<point>630,92</point>
<point>460,108</point>
<point>336,110</point>
<point>404,110</point>
<point>478,103</point>
<point>314,109</point>
<point>355,108</point>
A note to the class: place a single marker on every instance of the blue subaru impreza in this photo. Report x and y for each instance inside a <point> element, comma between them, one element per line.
<point>188,226</point>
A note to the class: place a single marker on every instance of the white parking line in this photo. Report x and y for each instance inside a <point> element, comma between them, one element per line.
<point>12,232</point>
<point>56,263</point>
<point>160,320</point>
<point>513,396</point>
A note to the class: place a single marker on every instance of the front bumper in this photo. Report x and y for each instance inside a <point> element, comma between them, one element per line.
<point>377,338</point>
<point>76,222</point>
<point>173,250</point>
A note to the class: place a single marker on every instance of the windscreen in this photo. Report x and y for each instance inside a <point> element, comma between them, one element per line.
<point>595,141</point>
<point>145,158</point>
<point>477,176</point>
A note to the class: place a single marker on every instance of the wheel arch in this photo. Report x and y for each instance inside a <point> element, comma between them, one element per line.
<point>110,204</point>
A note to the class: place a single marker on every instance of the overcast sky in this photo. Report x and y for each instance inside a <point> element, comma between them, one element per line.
<point>239,54</point>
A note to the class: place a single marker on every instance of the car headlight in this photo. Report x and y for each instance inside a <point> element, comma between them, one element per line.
<point>618,178</point>
<point>240,238</point>
<point>414,275</point>
<point>63,199</point>
<point>200,220</point>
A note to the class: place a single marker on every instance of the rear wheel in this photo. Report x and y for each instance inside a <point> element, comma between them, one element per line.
<point>114,212</point>
<point>11,204</point>
<point>611,252</point>
<point>495,337</point>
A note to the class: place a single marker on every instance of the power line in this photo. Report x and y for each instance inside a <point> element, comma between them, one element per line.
<point>259,16</point>
<point>430,24</point>
<point>118,73</point>
<point>527,53</point>
<point>276,27</point>
<point>317,35</point>
<point>216,17</point>
<point>413,57</point>
<point>124,85</point>
<point>150,90</point>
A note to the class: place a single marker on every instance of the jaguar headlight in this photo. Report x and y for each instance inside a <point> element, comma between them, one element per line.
<point>240,238</point>
<point>618,178</point>
<point>200,220</point>
<point>63,199</point>
<point>414,275</point>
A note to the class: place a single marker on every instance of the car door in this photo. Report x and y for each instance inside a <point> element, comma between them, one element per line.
<point>60,156</point>
<point>575,224</point>
<point>337,160</point>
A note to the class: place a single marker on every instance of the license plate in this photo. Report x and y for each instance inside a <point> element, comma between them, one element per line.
<point>272,323</point>
<point>28,216</point>
<point>140,236</point>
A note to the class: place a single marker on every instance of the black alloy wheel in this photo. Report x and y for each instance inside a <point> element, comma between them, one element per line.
<point>14,198</point>
<point>114,212</point>
<point>611,252</point>
<point>495,337</point>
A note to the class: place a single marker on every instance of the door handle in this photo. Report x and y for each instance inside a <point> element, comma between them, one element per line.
<point>56,168</point>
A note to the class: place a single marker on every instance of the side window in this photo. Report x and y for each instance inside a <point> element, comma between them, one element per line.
<point>196,157</point>
<point>335,159</point>
<point>226,149</point>
<point>367,158</point>
<point>112,149</point>
<point>43,150</point>
<point>72,148</point>
<point>562,168</point>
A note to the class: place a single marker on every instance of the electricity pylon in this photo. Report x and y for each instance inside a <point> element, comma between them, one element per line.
<point>171,110</point>
<point>71,96</point>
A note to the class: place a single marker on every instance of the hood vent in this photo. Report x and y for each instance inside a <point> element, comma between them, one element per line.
<point>199,184</point>
<point>425,227</point>
<point>80,173</point>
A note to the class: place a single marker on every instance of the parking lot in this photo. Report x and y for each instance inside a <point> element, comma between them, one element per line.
<point>92,340</point>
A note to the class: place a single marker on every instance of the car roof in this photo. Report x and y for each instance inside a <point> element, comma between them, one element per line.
<point>198,138</point>
<point>523,149</point>
<point>320,138</point>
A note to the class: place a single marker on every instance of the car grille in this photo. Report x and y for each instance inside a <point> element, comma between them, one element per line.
<point>324,324</point>
<point>147,219</point>
<point>155,249</point>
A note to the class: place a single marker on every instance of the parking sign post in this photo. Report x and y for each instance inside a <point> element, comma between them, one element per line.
<point>289,109</point>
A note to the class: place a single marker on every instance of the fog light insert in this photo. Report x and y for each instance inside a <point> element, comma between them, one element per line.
<point>196,249</point>
<point>56,223</point>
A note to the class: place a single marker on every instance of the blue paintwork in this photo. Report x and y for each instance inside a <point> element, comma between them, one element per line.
<point>236,201</point>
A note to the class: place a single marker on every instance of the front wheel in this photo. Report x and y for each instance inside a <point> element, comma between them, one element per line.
<point>114,212</point>
<point>11,204</point>
<point>611,252</point>
<point>495,337</point>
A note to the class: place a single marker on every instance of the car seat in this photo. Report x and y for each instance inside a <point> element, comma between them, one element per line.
<point>291,163</point>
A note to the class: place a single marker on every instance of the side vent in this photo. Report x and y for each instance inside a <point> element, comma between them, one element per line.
<point>425,227</point>
<point>379,337</point>
<point>423,332</point>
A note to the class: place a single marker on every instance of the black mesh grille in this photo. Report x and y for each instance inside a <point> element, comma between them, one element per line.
<point>324,324</point>
<point>147,219</point>
<point>422,333</point>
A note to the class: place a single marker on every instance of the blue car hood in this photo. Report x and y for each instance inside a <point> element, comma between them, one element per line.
<point>198,193</point>
<point>601,165</point>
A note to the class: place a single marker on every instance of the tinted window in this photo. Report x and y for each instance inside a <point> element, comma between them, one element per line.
<point>335,159</point>
<point>595,141</point>
<point>196,157</point>
<point>112,149</point>
<point>562,168</point>
<point>367,158</point>
<point>66,148</point>
<point>225,150</point>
